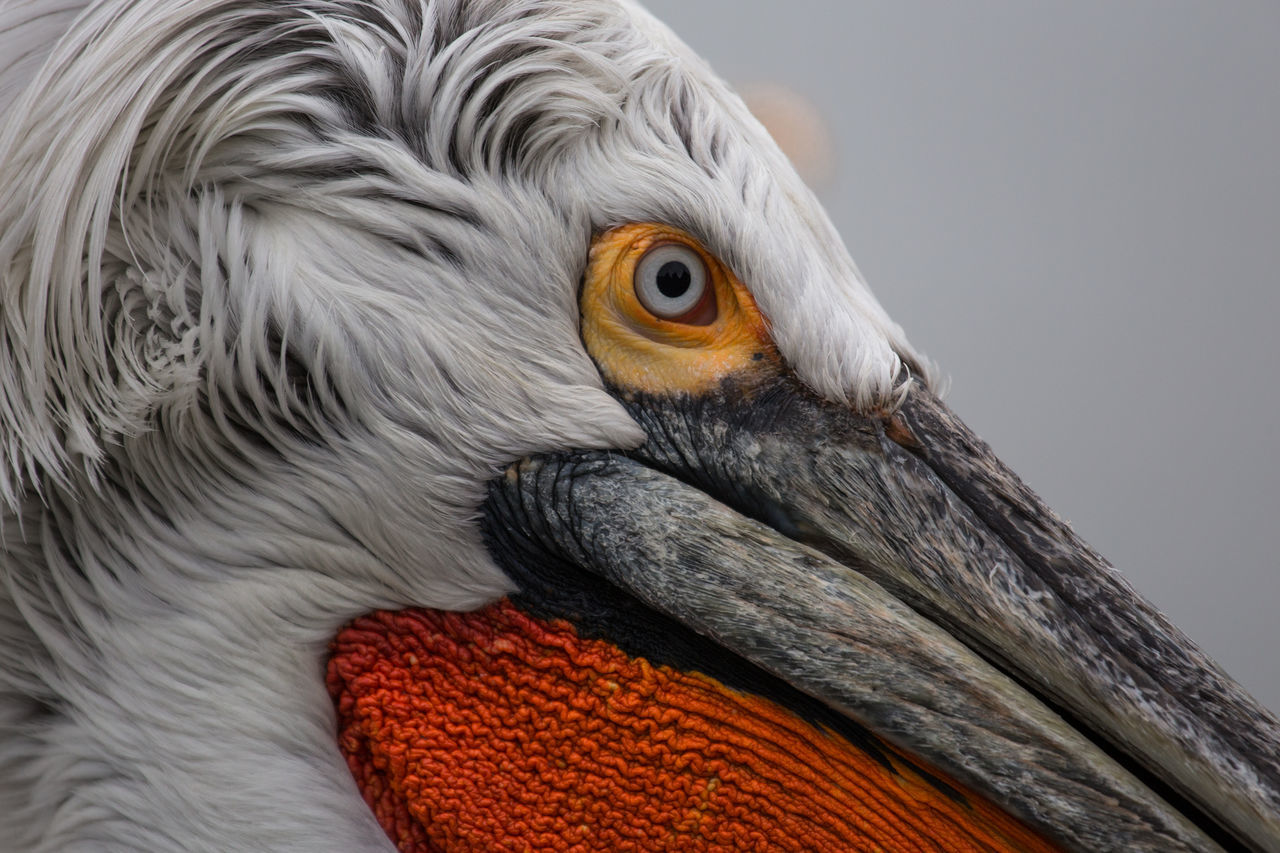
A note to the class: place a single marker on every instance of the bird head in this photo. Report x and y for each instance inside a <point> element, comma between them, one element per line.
<point>286,290</point>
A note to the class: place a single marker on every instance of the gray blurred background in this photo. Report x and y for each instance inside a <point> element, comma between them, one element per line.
<point>1074,209</point>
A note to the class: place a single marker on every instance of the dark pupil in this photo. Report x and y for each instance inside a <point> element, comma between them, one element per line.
<point>674,279</point>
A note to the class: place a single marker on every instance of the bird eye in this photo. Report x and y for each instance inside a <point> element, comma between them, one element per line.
<point>662,314</point>
<point>671,282</point>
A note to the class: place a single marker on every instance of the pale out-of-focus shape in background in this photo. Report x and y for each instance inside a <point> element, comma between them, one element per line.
<point>797,126</point>
<point>1074,208</point>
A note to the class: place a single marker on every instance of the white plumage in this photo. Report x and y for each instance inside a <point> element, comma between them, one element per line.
<point>281,286</point>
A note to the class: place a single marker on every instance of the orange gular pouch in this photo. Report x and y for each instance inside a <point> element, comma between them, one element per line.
<point>570,717</point>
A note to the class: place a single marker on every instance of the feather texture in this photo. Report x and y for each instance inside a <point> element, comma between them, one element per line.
<point>282,285</point>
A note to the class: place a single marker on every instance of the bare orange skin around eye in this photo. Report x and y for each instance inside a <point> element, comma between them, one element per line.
<point>494,730</point>
<point>638,351</point>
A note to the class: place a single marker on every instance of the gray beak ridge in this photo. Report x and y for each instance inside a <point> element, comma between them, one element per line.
<point>891,567</point>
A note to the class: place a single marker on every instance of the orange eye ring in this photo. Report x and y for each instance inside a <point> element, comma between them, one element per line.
<point>670,346</point>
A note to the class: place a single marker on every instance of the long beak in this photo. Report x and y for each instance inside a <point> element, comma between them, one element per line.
<point>892,568</point>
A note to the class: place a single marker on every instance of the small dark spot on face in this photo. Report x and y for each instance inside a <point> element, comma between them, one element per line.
<point>757,356</point>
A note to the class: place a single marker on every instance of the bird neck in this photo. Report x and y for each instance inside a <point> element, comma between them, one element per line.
<point>155,696</point>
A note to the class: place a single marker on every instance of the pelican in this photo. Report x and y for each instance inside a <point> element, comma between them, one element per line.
<point>452,425</point>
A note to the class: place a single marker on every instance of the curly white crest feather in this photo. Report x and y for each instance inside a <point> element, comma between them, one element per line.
<point>282,285</point>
